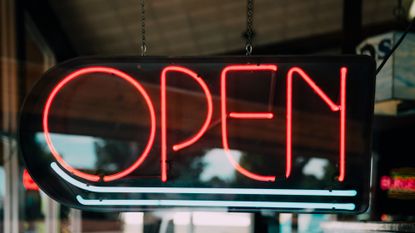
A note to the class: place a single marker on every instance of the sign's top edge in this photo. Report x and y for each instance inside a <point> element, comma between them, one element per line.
<point>227,59</point>
<point>132,56</point>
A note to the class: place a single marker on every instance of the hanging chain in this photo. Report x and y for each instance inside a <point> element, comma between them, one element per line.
<point>143,46</point>
<point>249,27</point>
<point>399,11</point>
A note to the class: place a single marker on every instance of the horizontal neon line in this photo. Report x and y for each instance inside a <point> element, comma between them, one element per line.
<point>242,191</point>
<point>252,115</point>
<point>193,203</point>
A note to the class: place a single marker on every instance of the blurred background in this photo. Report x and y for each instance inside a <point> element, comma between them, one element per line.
<point>36,35</point>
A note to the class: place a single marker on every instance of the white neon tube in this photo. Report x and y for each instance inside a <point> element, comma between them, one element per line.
<point>241,191</point>
<point>193,203</point>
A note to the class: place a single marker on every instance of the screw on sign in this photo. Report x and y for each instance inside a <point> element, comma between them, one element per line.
<point>340,90</point>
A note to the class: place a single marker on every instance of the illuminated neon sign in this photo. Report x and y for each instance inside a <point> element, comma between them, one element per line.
<point>191,108</point>
<point>402,184</point>
<point>28,182</point>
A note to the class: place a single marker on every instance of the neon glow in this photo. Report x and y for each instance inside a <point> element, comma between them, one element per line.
<point>28,182</point>
<point>342,162</point>
<point>399,183</point>
<point>224,114</point>
<point>212,133</point>
<point>115,73</point>
<point>188,142</point>
<point>202,130</point>
<point>253,116</point>
<point>330,103</point>
<point>214,203</point>
<point>240,191</point>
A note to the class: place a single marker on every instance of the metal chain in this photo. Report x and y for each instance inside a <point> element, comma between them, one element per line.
<point>249,27</point>
<point>143,46</point>
<point>399,11</point>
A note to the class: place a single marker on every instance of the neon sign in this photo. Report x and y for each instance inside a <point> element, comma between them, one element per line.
<point>334,92</point>
<point>403,184</point>
<point>28,182</point>
<point>400,184</point>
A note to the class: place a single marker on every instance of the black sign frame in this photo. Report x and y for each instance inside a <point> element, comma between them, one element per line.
<point>338,198</point>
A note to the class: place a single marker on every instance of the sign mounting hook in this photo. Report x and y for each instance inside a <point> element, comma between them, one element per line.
<point>143,46</point>
<point>249,33</point>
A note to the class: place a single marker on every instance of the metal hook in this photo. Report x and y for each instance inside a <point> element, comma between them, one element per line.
<point>248,49</point>
<point>143,49</point>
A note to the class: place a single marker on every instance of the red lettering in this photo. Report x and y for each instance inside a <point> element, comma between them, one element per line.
<point>398,183</point>
<point>224,116</point>
<point>202,130</point>
<point>334,107</point>
<point>119,74</point>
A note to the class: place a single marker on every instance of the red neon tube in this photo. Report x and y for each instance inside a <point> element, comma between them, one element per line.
<point>342,165</point>
<point>334,107</point>
<point>224,114</point>
<point>196,136</point>
<point>251,115</point>
<point>28,182</point>
<point>118,74</point>
<point>398,183</point>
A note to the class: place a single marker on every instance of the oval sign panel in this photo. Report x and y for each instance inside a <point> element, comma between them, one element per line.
<point>235,133</point>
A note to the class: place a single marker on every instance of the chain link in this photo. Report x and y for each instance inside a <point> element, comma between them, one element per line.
<point>143,46</point>
<point>249,27</point>
<point>399,11</point>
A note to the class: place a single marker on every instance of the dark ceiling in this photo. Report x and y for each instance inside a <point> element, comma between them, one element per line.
<point>200,27</point>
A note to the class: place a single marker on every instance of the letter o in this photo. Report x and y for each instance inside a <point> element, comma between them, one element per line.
<point>99,69</point>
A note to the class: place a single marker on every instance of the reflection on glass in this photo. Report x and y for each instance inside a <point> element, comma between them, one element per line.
<point>91,153</point>
<point>316,167</point>
<point>217,165</point>
<point>101,125</point>
<point>76,150</point>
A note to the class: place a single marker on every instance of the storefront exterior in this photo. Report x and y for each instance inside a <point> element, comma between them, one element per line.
<point>199,144</point>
